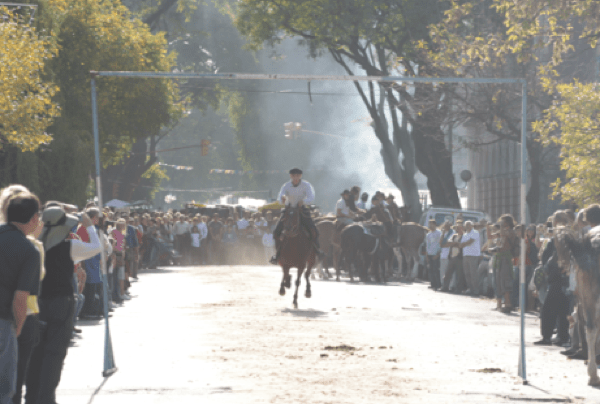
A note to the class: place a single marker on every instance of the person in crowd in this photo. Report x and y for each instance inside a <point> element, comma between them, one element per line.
<point>433,254</point>
<point>393,208</point>
<point>343,213</point>
<point>93,288</point>
<point>56,300</point>
<point>270,220</point>
<point>488,256</point>
<point>196,238</point>
<point>446,233</point>
<point>455,259</point>
<point>471,256</point>
<point>531,260</point>
<point>556,306</point>
<point>249,241</point>
<point>261,223</point>
<point>214,228</point>
<point>132,248</point>
<point>507,247</point>
<point>180,229</point>
<point>118,235</point>
<point>19,279</point>
<point>230,241</point>
<point>243,222</point>
<point>354,197</point>
<point>362,204</point>
<point>268,243</point>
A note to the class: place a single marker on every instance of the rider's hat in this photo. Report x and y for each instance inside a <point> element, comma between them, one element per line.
<point>295,171</point>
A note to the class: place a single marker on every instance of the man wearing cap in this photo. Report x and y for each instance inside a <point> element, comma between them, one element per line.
<point>56,300</point>
<point>342,210</point>
<point>364,198</point>
<point>297,192</point>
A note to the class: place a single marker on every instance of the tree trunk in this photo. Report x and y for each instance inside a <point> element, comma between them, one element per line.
<point>434,160</point>
<point>533,195</point>
<point>120,181</point>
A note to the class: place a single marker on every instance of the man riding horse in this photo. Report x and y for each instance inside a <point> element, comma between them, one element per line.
<point>297,192</point>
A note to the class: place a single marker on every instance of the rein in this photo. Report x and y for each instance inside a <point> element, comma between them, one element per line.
<point>376,246</point>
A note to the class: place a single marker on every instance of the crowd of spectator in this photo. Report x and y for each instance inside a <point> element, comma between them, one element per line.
<point>483,259</point>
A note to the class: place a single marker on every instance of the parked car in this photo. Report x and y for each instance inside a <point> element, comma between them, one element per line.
<point>441,214</point>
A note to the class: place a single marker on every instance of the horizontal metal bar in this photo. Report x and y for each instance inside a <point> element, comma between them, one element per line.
<point>18,5</point>
<point>302,77</point>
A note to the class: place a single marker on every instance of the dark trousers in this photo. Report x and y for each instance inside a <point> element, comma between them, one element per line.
<point>455,265</point>
<point>29,338</point>
<point>433,270</point>
<point>45,367</point>
<point>556,307</point>
<point>93,305</point>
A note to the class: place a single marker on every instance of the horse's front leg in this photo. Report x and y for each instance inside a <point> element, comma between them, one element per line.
<point>592,335</point>
<point>298,279</point>
<point>308,293</point>
<point>286,279</point>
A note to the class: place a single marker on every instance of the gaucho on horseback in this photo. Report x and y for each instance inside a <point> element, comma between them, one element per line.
<point>297,192</point>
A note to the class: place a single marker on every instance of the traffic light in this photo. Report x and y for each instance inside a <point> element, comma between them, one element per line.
<point>205,144</point>
<point>289,130</point>
<point>292,130</point>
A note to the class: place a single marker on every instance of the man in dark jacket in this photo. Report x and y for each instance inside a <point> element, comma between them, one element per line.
<point>556,305</point>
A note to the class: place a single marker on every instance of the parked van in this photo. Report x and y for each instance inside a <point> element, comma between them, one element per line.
<point>442,214</point>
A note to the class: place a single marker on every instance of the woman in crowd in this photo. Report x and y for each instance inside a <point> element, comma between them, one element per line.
<point>506,246</point>
<point>118,234</point>
<point>56,300</point>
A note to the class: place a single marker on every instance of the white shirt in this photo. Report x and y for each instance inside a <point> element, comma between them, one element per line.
<point>341,205</point>
<point>203,230</point>
<point>303,192</point>
<point>473,250</point>
<point>262,223</point>
<point>361,205</point>
<point>196,240</point>
<point>267,240</point>
<point>82,251</point>
<point>242,224</point>
<point>180,228</point>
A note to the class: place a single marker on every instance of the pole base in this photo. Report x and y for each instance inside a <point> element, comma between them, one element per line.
<point>109,372</point>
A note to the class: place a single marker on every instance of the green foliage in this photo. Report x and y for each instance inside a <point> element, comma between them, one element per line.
<point>573,123</point>
<point>155,174</point>
<point>26,105</point>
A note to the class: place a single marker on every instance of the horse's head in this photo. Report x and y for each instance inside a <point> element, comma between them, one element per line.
<point>291,220</point>
<point>583,252</point>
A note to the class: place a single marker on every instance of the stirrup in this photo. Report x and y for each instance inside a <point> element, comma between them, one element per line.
<point>274,260</point>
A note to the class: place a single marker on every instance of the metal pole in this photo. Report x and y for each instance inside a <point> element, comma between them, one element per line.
<point>109,363</point>
<point>522,368</point>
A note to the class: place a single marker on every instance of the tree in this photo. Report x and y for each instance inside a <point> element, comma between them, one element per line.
<point>530,39</point>
<point>379,38</point>
<point>26,105</point>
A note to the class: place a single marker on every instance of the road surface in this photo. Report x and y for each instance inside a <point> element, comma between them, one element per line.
<point>222,334</point>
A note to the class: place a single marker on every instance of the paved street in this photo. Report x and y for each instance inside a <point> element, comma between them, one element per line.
<point>224,335</point>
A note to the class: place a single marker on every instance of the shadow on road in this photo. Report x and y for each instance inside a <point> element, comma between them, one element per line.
<point>309,313</point>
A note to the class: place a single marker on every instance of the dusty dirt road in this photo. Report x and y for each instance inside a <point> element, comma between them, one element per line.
<point>224,335</point>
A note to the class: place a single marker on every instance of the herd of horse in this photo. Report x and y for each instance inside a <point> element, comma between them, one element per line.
<point>365,249</point>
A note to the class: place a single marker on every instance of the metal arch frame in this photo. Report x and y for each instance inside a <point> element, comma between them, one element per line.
<point>309,78</point>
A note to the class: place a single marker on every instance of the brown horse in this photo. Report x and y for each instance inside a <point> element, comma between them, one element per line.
<point>297,251</point>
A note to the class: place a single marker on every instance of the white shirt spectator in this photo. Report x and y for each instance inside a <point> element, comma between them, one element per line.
<point>242,224</point>
<point>180,228</point>
<point>195,240</point>
<point>473,250</point>
<point>343,207</point>
<point>433,242</point>
<point>203,229</point>
<point>268,240</point>
<point>293,194</point>
<point>262,223</point>
<point>361,205</point>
